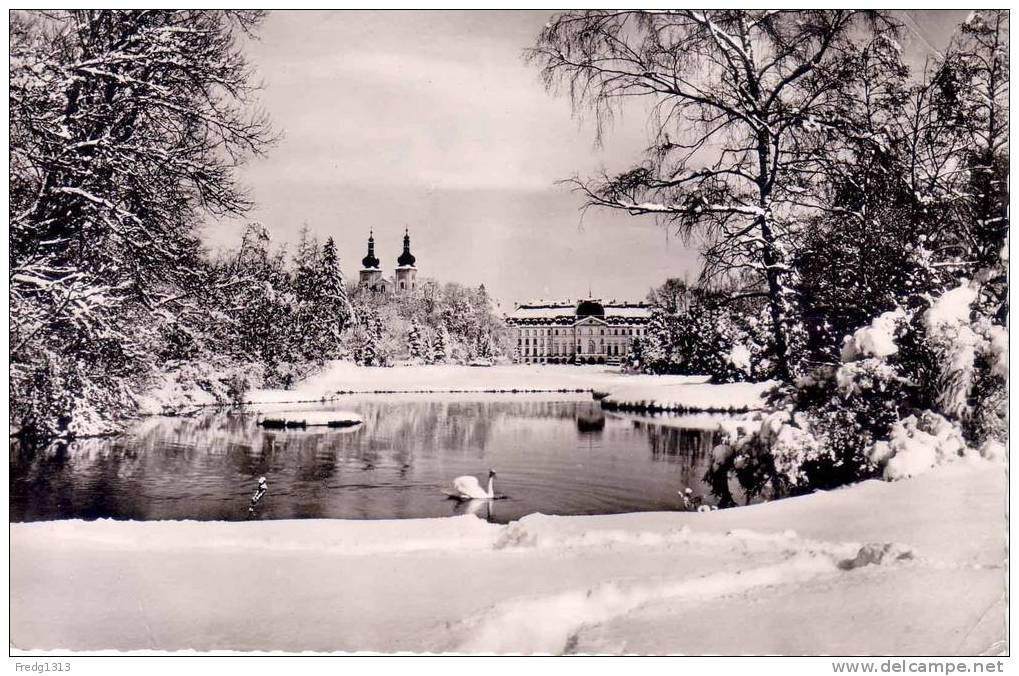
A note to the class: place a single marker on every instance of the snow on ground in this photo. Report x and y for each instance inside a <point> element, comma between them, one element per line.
<point>720,422</point>
<point>686,396</point>
<point>341,376</point>
<point>914,567</point>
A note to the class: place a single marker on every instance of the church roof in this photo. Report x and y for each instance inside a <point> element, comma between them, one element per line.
<point>370,262</point>
<point>406,259</point>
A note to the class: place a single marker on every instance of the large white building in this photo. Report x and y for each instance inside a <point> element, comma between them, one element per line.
<point>585,332</point>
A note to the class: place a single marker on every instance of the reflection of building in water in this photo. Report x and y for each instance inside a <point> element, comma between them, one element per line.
<point>588,332</point>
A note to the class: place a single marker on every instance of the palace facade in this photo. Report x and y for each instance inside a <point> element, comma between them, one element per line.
<point>586,332</point>
<point>405,276</point>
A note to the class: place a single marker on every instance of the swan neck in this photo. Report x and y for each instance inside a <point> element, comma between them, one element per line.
<point>490,493</point>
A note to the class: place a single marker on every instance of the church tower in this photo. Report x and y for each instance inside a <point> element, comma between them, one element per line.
<point>371,273</point>
<point>406,273</point>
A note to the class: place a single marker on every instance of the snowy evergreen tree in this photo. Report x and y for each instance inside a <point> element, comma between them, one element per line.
<point>635,358</point>
<point>308,265</point>
<point>975,71</point>
<point>658,350</point>
<point>440,346</point>
<point>415,343</point>
<point>334,308</point>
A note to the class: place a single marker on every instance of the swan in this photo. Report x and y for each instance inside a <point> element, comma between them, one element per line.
<point>469,488</point>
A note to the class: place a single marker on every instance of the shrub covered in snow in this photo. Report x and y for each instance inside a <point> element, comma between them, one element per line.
<point>916,389</point>
<point>919,443</point>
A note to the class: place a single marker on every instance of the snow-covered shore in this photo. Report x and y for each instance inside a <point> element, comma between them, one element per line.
<point>913,567</point>
<point>340,376</point>
<point>622,391</point>
<point>655,396</point>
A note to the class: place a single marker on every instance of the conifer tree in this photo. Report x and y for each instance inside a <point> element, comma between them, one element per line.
<point>440,346</point>
<point>335,308</point>
<point>414,342</point>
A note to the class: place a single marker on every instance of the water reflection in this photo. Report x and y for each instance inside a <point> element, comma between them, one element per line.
<point>591,422</point>
<point>557,457</point>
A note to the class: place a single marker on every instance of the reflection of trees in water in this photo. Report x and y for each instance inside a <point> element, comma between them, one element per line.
<point>675,443</point>
<point>425,427</point>
<point>689,449</point>
<point>553,410</point>
<point>217,455</point>
<point>205,466</point>
<point>76,479</point>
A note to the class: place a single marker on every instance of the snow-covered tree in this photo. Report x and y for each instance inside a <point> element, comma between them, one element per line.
<point>126,128</point>
<point>464,317</point>
<point>440,346</point>
<point>334,306</point>
<point>308,264</point>
<point>976,71</point>
<point>366,337</point>
<point>415,342</point>
<point>733,94</point>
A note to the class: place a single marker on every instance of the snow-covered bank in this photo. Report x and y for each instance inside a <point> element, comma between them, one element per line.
<point>663,395</point>
<point>341,376</point>
<point>784,577</point>
<point>621,391</point>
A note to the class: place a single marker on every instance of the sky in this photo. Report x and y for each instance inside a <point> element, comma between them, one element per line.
<point>433,121</point>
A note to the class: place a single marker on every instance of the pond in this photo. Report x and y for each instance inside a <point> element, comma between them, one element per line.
<point>562,456</point>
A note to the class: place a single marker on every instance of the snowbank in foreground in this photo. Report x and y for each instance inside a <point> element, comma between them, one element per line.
<point>340,376</point>
<point>914,567</point>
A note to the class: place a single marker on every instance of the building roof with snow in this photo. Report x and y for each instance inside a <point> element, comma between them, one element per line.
<point>567,312</point>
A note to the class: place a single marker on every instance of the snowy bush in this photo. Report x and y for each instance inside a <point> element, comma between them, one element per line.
<point>919,443</point>
<point>877,339</point>
<point>775,456</point>
<point>916,389</point>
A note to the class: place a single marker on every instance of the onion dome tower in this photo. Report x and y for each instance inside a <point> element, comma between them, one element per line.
<point>371,272</point>
<point>406,273</point>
